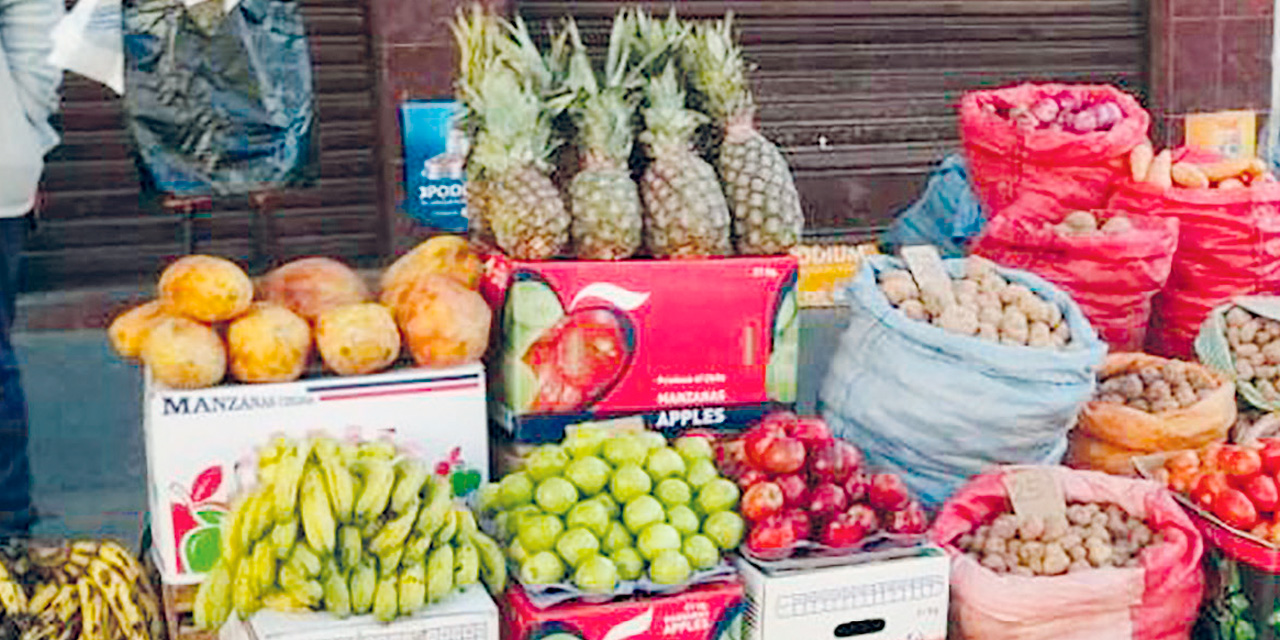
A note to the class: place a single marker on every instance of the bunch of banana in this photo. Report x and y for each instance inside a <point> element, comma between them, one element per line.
<point>89,589</point>
<point>345,528</point>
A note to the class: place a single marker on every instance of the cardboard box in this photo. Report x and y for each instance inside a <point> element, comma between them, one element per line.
<point>708,612</point>
<point>466,615</point>
<point>899,599</point>
<point>435,151</point>
<point>200,444</point>
<point>1232,134</point>
<point>683,343</point>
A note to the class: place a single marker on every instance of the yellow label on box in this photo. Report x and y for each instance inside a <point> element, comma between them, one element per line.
<point>1233,134</point>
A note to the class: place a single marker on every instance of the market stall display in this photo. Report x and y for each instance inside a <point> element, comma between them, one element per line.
<point>1241,339</point>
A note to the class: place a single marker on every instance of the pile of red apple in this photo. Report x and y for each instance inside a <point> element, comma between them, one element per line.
<point>1238,484</point>
<point>800,484</point>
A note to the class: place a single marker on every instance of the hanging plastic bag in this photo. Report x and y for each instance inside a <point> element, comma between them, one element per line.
<point>946,216</point>
<point>936,407</point>
<point>1112,277</point>
<point>1075,170</point>
<point>1156,600</point>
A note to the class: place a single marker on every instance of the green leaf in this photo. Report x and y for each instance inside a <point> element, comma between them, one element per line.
<point>211,517</point>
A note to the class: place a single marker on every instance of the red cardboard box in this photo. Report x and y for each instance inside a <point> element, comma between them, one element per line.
<point>685,343</point>
<point>707,612</point>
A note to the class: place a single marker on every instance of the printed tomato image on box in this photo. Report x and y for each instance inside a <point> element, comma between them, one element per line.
<point>707,612</point>
<point>686,343</point>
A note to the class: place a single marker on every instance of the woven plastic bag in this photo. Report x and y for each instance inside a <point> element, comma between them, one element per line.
<point>1112,277</point>
<point>1075,170</point>
<point>1213,349</point>
<point>1157,600</point>
<point>946,216</point>
<point>937,408</point>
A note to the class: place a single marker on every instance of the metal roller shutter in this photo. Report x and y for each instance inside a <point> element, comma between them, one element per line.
<point>861,93</point>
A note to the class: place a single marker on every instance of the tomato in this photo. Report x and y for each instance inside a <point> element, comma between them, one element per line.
<point>1270,455</point>
<point>1206,490</point>
<point>1234,508</point>
<point>1240,462</point>
<point>1182,482</point>
<point>1263,492</point>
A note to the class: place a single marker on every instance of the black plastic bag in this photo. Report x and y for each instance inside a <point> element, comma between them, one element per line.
<point>220,102</point>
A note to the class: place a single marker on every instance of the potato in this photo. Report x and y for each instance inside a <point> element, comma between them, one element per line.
<point>358,339</point>
<point>449,256</point>
<point>129,330</point>
<point>443,322</point>
<point>205,288</point>
<point>184,354</point>
<point>270,343</point>
<point>1082,222</point>
<point>1117,226</point>
<point>310,286</point>
<point>1237,317</point>
<point>914,309</point>
<point>1188,175</point>
<point>899,290</point>
<point>1140,160</point>
<point>977,267</point>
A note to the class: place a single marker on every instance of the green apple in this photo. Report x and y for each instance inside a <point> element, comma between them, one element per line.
<point>517,516</point>
<point>652,439</point>
<point>701,552</point>
<point>516,552</point>
<point>596,574</point>
<point>489,497</point>
<point>610,505</point>
<point>693,448</point>
<point>657,538</point>
<point>673,491</point>
<point>642,512</point>
<point>542,568</point>
<point>725,528</point>
<point>589,474</point>
<point>629,563</point>
<point>616,537</point>
<point>539,533</point>
<point>624,450</point>
<point>683,519</point>
<point>585,440</point>
<point>556,495</point>
<point>701,472</point>
<point>576,545</point>
<point>590,515</point>
<point>502,525</point>
<point>664,462</point>
<point>546,461</point>
<point>718,495</point>
<point>670,567</point>
<point>629,482</point>
<point>515,489</point>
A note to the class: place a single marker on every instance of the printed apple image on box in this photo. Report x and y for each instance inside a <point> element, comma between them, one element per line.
<point>706,612</point>
<point>688,343</point>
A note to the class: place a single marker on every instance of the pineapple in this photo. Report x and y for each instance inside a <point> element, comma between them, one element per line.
<point>757,181</point>
<point>603,198</point>
<point>476,33</point>
<point>687,212</point>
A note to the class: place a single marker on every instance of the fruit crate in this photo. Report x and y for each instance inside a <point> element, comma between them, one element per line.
<point>178,601</point>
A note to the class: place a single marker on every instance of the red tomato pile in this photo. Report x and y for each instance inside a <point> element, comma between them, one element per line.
<point>801,483</point>
<point>1238,484</point>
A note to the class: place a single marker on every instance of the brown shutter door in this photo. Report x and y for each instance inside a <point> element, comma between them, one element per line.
<point>861,93</point>
<point>97,229</point>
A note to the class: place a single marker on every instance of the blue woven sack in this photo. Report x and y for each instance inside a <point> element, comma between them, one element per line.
<point>946,216</point>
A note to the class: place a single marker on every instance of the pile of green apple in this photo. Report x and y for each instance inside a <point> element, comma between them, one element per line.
<point>603,507</point>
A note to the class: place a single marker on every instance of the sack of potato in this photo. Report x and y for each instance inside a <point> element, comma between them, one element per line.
<point>939,394</point>
<point>1146,404</point>
<point>1110,263</point>
<point>1241,340</point>
<point>1065,142</point>
<point>207,319</point>
<point>1228,214</point>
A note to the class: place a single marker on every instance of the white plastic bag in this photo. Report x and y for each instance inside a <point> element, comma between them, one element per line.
<point>89,41</point>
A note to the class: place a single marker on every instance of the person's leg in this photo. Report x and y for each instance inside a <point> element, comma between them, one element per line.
<point>16,514</point>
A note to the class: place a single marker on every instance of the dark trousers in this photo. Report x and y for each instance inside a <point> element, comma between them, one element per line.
<point>15,469</point>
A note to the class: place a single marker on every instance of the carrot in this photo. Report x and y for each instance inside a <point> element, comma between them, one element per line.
<point>1140,160</point>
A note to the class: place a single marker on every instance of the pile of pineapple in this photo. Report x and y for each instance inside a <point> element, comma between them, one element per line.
<point>526,108</point>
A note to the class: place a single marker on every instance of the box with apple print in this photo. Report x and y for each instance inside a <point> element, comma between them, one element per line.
<point>706,612</point>
<point>682,343</point>
<point>199,444</point>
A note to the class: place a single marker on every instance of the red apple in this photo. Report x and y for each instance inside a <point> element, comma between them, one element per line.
<point>1270,454</point>
<point>756,442</point>
<point>1263,492</point>
<point>910,519</point>
<point>811,430</point>
<point>731,457</point>
<point>795,491</point>
<point>844,531</point>
<point>784,421</point>
<point>827,500</point>
<point>783,455</point>
<point>801,523</point>
<point>834,461</point>
<point>866,516</point>
<point>857,487</point>
<point>888,492</point>
<point>761,501</point>
<point>772,537</point>
<point>751,478</point>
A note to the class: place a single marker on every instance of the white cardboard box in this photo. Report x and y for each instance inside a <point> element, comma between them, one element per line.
<point>900,599</point>
<point>467,615</point>
<point>201,444</point>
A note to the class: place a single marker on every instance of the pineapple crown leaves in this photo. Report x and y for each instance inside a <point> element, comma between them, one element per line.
<point>717,71</point>
<point>474,32</point>
<point>656,41</point>
<point>603,109</point>
<point>517,128</point>
<point>668,123</point>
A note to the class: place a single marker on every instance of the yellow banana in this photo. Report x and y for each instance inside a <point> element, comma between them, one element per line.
<point>385,604</point>
<point>307,592</point>
<point>415,550</point>
<point>440,573</point>
<point>92,612</point>
<point>12,597</point>
<point>213,599</point>
<point>493,565</point>
<point>389,562</point>
<point>304,560</point>
<point>438,501</point>
<point>337,479</point>
<point>466,522</point>
<point>288,476</point>
<point>413,588</point>
<point>282,601</point>
<point>249,520</point>
<point>350,546</point>
<point>379,480</point>
<point>124,562</point>
<point>283,535</point>
<point>317,516</point>
<point>118,594</point>
<point>412,475</point>
<point>263,564</point>
<point>261,517</point>
<point>232,523</point>
<point>393,533</point>
<point>244,591</point>
<point>337,596</point>
<point>43,596</point>
<point>377,450</point>
<point>449,529</point>
<point>466,563</point>
<point>364,582</point>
